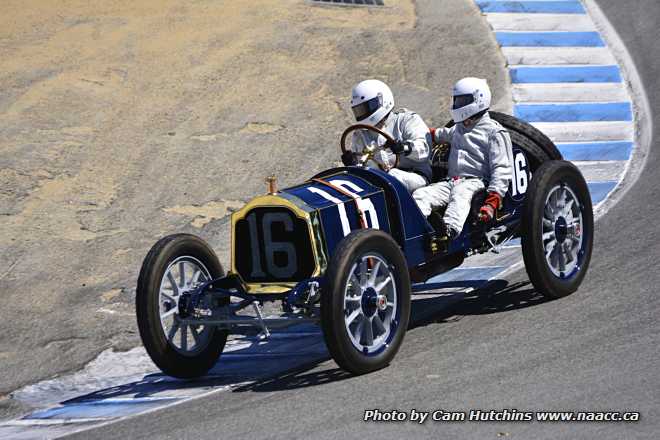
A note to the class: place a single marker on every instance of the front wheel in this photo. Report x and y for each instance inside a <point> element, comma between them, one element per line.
<point>558,228</point>
<point>365,306</point>
<point>173,267</point>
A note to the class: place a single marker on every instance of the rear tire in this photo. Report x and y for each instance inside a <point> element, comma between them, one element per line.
<point>557,229</point>
<point>365,305</point>
<point>163,279</point>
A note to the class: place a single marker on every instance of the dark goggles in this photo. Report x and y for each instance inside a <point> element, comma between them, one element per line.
<point>462,101</point>
<point>367,108</point>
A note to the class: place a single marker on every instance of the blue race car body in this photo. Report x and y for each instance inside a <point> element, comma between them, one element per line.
<point>308,221</point>
<point>342,249</point>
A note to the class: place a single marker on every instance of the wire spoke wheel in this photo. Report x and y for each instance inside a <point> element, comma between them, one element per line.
<point>172,269</point>
<point>557,224</point>
<point>370,303</point>
<point>365,304</point>
<point>562,227</point>
<point>181,277</point>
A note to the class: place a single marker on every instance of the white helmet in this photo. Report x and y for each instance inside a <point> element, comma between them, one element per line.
<point>471,96</point>
<point>371,101</point>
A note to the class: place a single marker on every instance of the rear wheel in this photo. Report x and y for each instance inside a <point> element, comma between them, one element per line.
<point>365,307</point>
<point>558,227</point>
<point>174,266</point>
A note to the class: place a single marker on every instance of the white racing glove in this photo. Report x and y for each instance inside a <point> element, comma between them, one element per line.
<point>385,159</point>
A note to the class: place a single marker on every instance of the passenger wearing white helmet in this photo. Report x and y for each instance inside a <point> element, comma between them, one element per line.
<point>372,103</point>
<point>479,157</point>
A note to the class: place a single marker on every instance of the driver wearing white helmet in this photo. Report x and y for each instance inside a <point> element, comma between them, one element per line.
<point>372,103</point>
<point>480,157</point>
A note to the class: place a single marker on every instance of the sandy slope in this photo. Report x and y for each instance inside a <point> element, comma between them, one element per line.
<point>125,120</point>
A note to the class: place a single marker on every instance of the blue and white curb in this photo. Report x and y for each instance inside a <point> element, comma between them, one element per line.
<point>565,81</point>
<point>117,386</point>
<point>120,385</point>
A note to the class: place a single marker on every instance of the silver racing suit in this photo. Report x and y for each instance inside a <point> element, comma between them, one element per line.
<point>480,157</point>
<point>414,169</point>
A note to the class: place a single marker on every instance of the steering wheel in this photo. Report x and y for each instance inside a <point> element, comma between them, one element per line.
<point>369,151</point>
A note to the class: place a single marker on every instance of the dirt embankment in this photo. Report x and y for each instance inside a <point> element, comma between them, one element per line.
<point>122,121</point>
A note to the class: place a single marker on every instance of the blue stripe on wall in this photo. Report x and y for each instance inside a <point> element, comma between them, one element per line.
<point>553,7</point>
<point>579,112</point>
<point>620,150</point>
<point>556,74</point>
<point>552,39</point>
<point>600,190</point>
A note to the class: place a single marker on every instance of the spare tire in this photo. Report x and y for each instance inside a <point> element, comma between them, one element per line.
<point>527,130</point>
<point>512,123</point>
<point>534,153</point>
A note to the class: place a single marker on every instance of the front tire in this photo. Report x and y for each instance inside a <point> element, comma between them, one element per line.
<point>365,306</point>
<point>558,228</point>
<point>173,266</point>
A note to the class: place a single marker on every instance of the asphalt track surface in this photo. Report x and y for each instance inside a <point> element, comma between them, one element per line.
<point>503,348</point>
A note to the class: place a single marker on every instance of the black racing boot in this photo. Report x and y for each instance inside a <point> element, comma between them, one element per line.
<point>435,218</point>
<point>443,235</point>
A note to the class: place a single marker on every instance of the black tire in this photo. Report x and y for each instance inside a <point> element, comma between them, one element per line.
<point>516,125</point>
<point>534,154</point>
<point>557,177</point>
<point>351,249</point>
<point>148,308</point>
<point>526,130</point>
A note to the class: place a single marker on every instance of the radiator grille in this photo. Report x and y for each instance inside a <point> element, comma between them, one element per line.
<point>273,245</point>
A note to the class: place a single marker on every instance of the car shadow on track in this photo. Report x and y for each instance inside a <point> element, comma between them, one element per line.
<point>496,297</point>
<point>299,359</point>
<point>297,379</point>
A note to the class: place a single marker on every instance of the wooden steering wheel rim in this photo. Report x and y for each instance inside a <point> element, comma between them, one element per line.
<point>354,127</point>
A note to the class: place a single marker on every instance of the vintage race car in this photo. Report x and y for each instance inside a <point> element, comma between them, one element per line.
<point>342,249</point>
